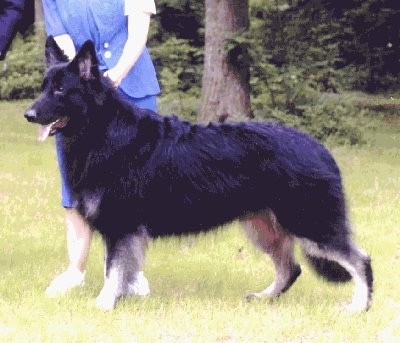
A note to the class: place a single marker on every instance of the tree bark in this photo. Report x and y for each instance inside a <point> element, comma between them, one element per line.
<point>38,11</point>
<point>225,84</point>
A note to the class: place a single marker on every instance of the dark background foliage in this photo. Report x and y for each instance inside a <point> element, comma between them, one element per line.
<point>299,50</point>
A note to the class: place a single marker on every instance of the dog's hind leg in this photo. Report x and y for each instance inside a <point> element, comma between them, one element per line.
<point>342,253</point>
<point>124,259</point>
<point>266,234</point>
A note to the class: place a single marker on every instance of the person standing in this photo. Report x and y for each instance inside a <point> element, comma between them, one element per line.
<point>119,31</point>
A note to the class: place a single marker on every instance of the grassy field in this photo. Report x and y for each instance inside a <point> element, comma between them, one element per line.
<point>197,283</point>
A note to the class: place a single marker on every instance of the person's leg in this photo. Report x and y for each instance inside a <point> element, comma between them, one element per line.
<point>79,236</point>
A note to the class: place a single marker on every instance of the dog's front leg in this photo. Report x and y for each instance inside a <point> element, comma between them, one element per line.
<point>111,291</point>
<point>124,259</point>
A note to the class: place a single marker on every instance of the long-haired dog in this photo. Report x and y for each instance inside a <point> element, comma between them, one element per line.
<point>136,173</point>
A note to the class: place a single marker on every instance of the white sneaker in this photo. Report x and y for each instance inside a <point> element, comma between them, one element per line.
<point>67,280</point>
<point>139,285</point>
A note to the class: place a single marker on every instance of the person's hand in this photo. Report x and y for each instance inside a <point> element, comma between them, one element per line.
<point>115,77</point>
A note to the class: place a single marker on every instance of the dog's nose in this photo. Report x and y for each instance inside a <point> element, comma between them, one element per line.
<point>30,115</point>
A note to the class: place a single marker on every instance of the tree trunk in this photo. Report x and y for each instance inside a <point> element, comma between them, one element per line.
<point>225,85</point>
<point>38,11</point>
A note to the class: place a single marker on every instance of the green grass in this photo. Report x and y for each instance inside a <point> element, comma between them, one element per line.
<point>197,283</point>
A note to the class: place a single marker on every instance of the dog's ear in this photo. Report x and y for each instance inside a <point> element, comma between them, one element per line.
<point>85,62</point>
<point>53,53</point>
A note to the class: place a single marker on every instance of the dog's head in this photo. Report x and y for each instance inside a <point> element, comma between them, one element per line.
<point>63,102</point>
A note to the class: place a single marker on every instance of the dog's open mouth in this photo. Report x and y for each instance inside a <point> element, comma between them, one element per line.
<point>50,129</point>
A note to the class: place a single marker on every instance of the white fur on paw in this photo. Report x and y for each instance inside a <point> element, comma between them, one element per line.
<point>269,292</point>
<point>355,307</point>
<point>106,301</point>
<point>251,296</point>
<point>140,285</point>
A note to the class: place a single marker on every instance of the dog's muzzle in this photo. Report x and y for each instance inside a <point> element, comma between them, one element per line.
<point>47,129</point>
<point>30,115</point>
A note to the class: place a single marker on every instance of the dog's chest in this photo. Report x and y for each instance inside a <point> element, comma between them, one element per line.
<point>90,203</point>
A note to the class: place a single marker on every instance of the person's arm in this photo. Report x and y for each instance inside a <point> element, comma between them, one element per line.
<point>55,28</point>
<point>138,29</point>
<point>9,20</point>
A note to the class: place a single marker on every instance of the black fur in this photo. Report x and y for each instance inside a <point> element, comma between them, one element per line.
<point>132,168</point>
<point>331,270</point>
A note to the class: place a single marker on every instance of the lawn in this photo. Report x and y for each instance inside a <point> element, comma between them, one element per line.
<point>197,283</point>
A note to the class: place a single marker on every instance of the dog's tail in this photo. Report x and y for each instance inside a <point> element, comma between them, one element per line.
<point>329,269</point>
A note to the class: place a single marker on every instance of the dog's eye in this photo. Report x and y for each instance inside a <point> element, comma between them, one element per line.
<point>58,89</point>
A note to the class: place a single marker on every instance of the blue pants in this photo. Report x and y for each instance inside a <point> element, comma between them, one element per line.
<point>67,200</point>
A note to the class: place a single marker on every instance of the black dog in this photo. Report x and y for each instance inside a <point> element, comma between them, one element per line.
<point>136,173</point>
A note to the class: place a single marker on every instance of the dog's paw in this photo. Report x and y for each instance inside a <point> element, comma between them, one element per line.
<point>252,296</point>
<point>356,307</point>
<point>106,301</point>
<point>139,286</point>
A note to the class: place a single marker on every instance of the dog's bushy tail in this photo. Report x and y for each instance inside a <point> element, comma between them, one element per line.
<point>329,269</point>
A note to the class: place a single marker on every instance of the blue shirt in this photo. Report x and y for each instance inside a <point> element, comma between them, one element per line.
<point>103,22</point>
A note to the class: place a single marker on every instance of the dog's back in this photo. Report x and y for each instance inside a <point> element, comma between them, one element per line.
<point>203,176</point>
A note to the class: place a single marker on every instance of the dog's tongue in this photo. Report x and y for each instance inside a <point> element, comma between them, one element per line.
<point>43,132</point>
